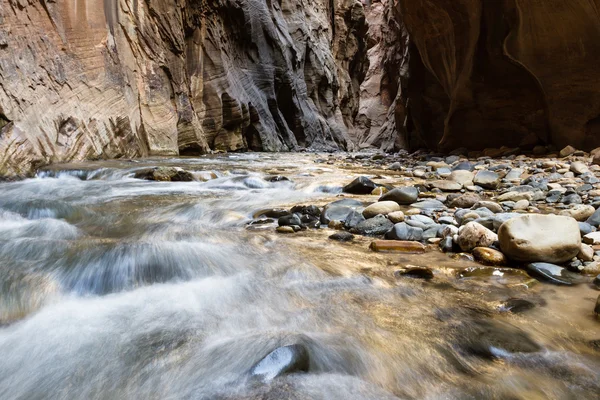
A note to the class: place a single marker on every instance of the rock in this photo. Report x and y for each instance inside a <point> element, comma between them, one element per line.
<point>490,205</point>
<point>447,186</point>
<point>271,213</point>
<point>360,185</point>
<point>447,244</point>
<point>403,196</point>
<point>567,151</point>
<point>493,339</point>
<point>521,205</point>
<point>379,191</point>
<point>572,198</point>
<point>339,210</point>
<point>396,216</point>
<point>289,220</point>
<point>585,228</point>
<point>475,235</point>
<point>586,253</point>
<point>285,229</point>
<point>338,225</point>
<point>465,201</point>
<point>378,225</point>
<point>308,210</point>
<point>597,282</point>
<point>353,219</point>
<point>577,167</point>
<point>534,237</point>
<point>594,220</point>
<point>397,246</point>
<point>552,273</point>
<point>592,238</point>
<point>516,305</point>
<point>515,196</point>
<point>514,175</point>
<point>463,166</point>
<point>381,207</point>
<point>580,212</point>
<point>165,174</point>
<point>488,256</point>
<point>414,272</point>
<point>429,205</point>
<point>342,236</point>
<point>486,179</point>
<point>597,307</point>
<point>395,166</point>
<point>402,231</point>
<point>462,177</point>
<point>281,361</point>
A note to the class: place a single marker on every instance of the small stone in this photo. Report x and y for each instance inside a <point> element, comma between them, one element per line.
<point>379,191</point>
<point>553,274</point>
<point>586,253</point>
<point>579,168</point>
<point>378,225</point>
<point>338,225</point>
<point>402,231</point>
<point>592,238</point>
<point>412,211</point>
<point>447,186</point>
<point>581,212</point>
<point>521,205</point>
<point>462,177</point>
<point>381,207</point>
<point>516,306</point>
<point>342,236</point>
<point>285,229</point>
<point>487,179</point>
<point>429,205</point>
<point>475,235</point>
<point>403,196</point>
<point>515,196</point>
<point>353,219</point>
<point>594,220</point>
<point>488,256</point>
<point>567,151</point>
<point>397,246</point>
<point>361,185</point>
<point>288,220</point>
<point>396,216</point>
<point>447,244</point>
<point>490,205</point>
<point>465,201</point>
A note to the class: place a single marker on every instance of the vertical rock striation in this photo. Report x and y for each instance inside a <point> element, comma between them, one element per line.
<point>122,78</point>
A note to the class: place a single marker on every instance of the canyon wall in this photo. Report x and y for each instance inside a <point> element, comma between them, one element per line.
<point>483,73</point>
<point>85,79</point>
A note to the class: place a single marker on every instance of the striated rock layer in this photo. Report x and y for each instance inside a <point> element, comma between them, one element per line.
<point>122,78</point>
<point>481,73</point>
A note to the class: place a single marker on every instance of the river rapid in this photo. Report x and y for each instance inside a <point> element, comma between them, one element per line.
<point>119,288</point>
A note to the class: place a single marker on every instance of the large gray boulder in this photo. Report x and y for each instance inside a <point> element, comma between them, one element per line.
<point>536,237</point>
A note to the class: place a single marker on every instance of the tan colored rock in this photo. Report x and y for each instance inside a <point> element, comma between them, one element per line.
<point>578,167</point>
<point>580,212</point>
<point>447,186</point>
<point>488,256</point>
<point>567,151</point>
<point>396,216</point>
<point>586,253</point>
<point>462,176</point>
<point>285,229</point>
<point>378,191</point>
<point>381,207</point>
<point>592,238</point>
<point>397,246</point>
<point>540,238</point>
<point>474,235</point>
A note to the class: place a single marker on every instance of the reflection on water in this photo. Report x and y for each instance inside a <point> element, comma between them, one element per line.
<point>114,287</point>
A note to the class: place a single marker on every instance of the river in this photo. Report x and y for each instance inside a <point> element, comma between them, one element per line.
<point>120,288</point>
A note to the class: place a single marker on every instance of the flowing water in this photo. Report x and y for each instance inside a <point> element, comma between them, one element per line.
<point>118,288</point>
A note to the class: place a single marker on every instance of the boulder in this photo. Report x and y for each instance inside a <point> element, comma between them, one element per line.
<point>536,237</point>
<point>381,207</point>
<point>361,185</point>
<point>474,235</point>
<point>403,196</point>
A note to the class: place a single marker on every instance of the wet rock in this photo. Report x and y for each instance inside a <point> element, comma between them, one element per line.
<point>447,244</point>
<point>489,256</point>
<point>494,339</point>
<point>286,229</point>
<point>552,273</point>
<point>396,216</point>
<point>581,212</point>
<point>475,235</point>
<point>165,174</point>
<point>516,305</point>
<point>289,220</point>
<point>353,219</point>
<point>273,213</point>
<point>276,178</point>
<point>361,185</point>
<point>378,225</point>
<point>487,179</point>
<point>338,210</point>
<point>414,272</point>
<point>403,196</point>
<point>534,237</point>
<point>342,237</point>
<point>281,361</point>
<point>397,246</point>
<point>402,231</point>
<point>308,210</point>
<point>465,201</point>
<point>381,207</point>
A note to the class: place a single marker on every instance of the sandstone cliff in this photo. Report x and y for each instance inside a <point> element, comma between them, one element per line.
<point>485,73</point>
<point>122,78</point>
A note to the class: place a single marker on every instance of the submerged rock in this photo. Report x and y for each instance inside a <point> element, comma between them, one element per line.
<point>281,361</point>
<point>397,246</point>
<point>553,274</point>
<point>516,305</point>
<point>414,272</point>
<point>535,237</point>
<point>342,236</point>
<point>164,174</point>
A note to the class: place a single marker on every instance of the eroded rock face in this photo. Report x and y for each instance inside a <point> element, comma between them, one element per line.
<point>125,78</point>
<point>480,73</point>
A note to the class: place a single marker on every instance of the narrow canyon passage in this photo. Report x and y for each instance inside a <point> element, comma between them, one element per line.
<point>118,287</point>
